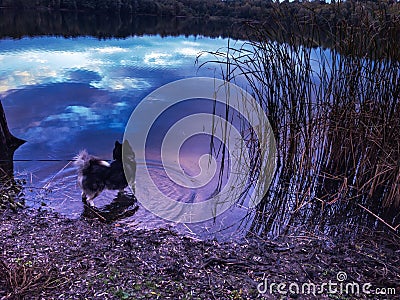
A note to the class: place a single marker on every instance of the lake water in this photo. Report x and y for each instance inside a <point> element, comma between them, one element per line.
<point>63,95</point>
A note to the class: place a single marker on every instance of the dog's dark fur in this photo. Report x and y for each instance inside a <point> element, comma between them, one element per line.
<point>95,175</point>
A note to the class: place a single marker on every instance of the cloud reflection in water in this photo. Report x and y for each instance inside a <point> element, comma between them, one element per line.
<point>87,85</point>
<point>63,95</point>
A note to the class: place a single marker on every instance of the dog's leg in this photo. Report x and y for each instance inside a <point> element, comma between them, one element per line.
<point>91,198</point>
<point>84,198</point>
<point>90,201</point>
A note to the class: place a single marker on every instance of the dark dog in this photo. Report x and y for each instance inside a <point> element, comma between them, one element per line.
<point>95,175</point>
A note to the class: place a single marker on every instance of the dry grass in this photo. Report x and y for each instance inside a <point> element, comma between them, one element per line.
<point>21,279</point>
<point>11,192</point>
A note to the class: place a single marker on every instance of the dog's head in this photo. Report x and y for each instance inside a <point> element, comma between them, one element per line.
<point>117,152</point>
<point>128,151</point>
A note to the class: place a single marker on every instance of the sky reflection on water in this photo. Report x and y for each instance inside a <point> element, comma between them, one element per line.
<point>57,89</point>
<point>64,95</point>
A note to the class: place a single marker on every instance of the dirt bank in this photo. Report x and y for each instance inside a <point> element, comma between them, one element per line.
<point>45,256</point>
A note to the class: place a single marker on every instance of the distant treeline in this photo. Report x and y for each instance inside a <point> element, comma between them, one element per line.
<point>326,24</point>
<point>17,24</point>
<point>247,9</point>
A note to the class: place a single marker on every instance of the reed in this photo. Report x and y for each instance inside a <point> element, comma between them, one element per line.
<point>335,114</point>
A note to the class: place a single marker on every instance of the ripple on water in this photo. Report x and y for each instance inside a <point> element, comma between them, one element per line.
<point>61,193</point>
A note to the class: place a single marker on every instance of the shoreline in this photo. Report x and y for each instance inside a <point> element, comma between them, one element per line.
<point>47,256</point>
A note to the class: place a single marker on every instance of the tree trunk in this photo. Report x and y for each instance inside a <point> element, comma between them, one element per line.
<point>8,144</point>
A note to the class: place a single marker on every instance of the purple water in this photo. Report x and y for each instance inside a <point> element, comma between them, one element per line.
<point>64,95</point>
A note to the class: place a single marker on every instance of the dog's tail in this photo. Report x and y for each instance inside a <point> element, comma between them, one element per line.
<point>84,159</point>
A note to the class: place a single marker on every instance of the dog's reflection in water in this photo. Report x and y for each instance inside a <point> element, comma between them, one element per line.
<point>123,206</point>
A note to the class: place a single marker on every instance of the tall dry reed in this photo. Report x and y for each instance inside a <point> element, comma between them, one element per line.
<point>336,119</point>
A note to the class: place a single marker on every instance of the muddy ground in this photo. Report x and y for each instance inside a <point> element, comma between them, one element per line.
<point>46,256</point>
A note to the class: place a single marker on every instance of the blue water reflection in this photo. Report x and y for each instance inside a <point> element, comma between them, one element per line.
<point>55,90</point>
<point>64,95</point>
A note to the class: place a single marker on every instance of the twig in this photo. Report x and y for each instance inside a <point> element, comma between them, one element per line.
<point>52,178</point>
<point>379,218</point>
<point>96,213</point>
